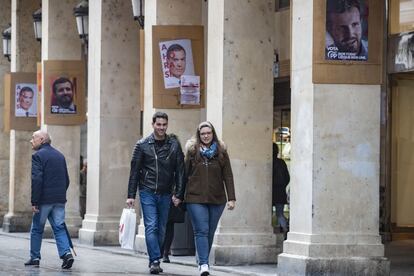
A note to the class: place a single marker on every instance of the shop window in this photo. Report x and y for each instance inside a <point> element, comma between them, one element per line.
<point>401,16</point>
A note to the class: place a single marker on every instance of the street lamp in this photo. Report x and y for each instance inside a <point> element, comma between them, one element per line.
<point>138,10</point>
<point>7,42</point>
<point>37,24</point>
<point>81,12</point>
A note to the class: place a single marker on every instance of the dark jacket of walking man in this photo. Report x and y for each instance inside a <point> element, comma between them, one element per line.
<point>157,167</point>
<point>50,181</point>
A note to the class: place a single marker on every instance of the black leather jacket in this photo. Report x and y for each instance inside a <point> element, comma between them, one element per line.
<point>157,172</point>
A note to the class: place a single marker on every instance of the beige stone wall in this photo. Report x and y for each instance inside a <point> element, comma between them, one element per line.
<point>240,105</point>
<point>5,13</point>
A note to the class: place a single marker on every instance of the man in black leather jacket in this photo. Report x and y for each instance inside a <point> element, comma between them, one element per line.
<point>157,169</point>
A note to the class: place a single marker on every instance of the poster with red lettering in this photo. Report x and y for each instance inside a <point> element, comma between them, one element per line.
<point>176,60</point>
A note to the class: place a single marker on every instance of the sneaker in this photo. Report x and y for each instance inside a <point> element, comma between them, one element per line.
<point>67,261</point>
<point>204,270</point>
<point>155,267</point>
<point>33,262</point>
<point>166,259</point>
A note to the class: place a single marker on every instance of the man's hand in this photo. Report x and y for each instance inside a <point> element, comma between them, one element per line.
<point>176,200</point>
<point>35,209</point>
<point>231,204</point>
<point>130,202</point>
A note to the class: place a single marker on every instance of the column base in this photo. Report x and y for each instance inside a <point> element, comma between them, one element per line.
<point>292,265</point>
<point>244,249</point>
<point>98,230</point>
<point>17,222</point>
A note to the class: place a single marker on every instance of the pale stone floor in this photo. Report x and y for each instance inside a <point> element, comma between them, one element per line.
<point>112,260</point>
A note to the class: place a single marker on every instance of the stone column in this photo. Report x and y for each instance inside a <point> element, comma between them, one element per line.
<point>335,169</point>
<point>113,116</point>
<point>5,13</point>
<point>60,41</point>
<point>25,53</point>
<point>182,122</point>
<point>240,105</point>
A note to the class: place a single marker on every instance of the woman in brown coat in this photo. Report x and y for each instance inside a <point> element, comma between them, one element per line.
<point>210,186</point>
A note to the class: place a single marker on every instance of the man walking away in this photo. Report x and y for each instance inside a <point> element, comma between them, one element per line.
<point>50,181</point>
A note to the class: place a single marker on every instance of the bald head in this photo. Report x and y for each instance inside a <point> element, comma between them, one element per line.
<point>39,138</point>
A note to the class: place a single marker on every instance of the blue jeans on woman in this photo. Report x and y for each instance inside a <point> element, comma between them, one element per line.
<point>204,218</point>
<point>55,213</point>
<point>155,209</point>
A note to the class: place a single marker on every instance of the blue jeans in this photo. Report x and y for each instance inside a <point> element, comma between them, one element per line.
<point>204,218</point>
<point>155,209</point>
<point>282,220</point>
<point>55,213</point>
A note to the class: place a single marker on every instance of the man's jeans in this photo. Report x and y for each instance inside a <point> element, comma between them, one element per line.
<point>55,213</point>
<point>204,218</point>
<point>155,209</point>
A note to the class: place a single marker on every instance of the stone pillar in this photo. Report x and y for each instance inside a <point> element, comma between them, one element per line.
<point>182,122</point>
<point>240,105</point>
<point>113,116</point>
<point>25,53</point>
<point>335,169</point>
<point>5,13</point>
<point>60,41</point>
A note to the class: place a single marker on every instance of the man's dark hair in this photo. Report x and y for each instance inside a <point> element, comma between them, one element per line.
<point>341,6</point>
<point>175,48</point>
<point>26,89</point>
<point>59,81</point>
<point>161,115</point>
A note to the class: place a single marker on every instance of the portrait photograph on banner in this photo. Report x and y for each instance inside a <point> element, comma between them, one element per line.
<point>63,95</point>
<point>25,100</point>
<point>176,61</point>
<point>346,36</point>
<point>20,101</point>
<point>63,83</point>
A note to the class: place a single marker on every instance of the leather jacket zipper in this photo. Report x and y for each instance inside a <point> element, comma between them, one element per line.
<point>156,169</point>
<point>171,151</point>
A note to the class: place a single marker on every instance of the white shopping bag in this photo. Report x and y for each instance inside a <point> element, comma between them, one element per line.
<point>127,225</point>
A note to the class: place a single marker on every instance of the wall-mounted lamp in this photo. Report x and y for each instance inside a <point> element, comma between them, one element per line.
<point>7,42</point>
<point>81,12</point>
<point>138,10</point>
<point>37,24</point>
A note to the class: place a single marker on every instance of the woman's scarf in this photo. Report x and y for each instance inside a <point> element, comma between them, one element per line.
<point>210,151</point>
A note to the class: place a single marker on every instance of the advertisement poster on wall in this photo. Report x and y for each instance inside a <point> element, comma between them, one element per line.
<point>346,36</point>
<point>176,60</point>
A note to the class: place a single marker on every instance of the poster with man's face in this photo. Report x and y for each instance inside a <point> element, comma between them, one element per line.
<point>346,30</point>
<point>63,95</point>
<point>26,100</point>
<point>176,60</point>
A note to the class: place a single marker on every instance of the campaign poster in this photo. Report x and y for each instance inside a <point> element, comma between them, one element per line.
<point>346,36</point>
<point>63,95</point>
<point>176,60</point>
<point>26,100</point>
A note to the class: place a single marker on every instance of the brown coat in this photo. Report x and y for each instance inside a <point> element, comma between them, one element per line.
<point>208,180</point>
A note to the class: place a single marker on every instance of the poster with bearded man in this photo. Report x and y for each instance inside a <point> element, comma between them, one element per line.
<point>346,30</point>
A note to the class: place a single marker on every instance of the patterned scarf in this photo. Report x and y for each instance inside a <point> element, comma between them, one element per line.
<point>210,151</point>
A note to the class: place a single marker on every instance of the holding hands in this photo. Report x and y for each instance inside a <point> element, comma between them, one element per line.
<point>176,200</point>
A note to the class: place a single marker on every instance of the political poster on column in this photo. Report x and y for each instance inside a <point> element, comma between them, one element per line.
<point>63,95</point>
<point>176,60</point>
<point>346,36</point>
<point>25,100</point>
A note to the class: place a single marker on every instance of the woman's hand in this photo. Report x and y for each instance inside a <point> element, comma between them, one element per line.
<point>231,204</point>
